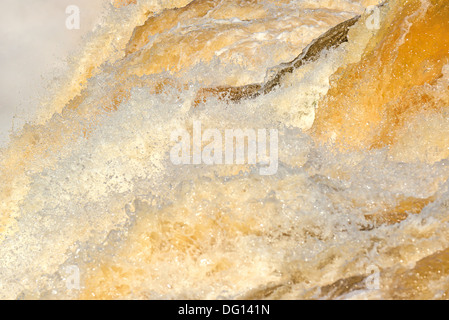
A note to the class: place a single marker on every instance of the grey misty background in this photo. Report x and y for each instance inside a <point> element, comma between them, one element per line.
<point>34,45</point>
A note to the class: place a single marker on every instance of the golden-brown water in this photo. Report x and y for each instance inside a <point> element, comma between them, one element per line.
<point>357,208</point>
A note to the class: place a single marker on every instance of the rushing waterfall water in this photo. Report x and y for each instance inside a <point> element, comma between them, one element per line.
<point>351,105</point>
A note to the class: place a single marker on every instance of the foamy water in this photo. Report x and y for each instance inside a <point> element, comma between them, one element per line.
<point>356,209</point>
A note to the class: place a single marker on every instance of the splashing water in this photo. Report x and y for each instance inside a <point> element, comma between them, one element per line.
<point>356,209</point>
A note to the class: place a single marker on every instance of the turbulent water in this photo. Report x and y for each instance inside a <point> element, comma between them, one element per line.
<point>358,206</point>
